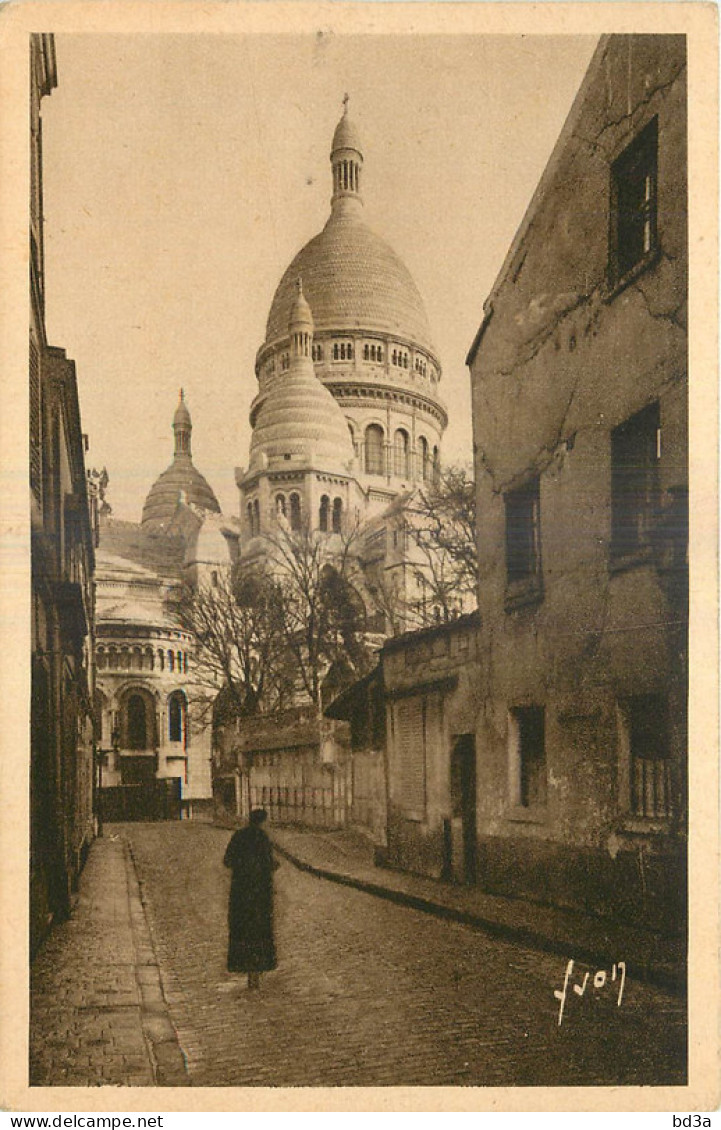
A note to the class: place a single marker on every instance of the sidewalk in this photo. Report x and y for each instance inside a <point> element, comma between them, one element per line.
<point>97,1008</point>
<point>347,857</point>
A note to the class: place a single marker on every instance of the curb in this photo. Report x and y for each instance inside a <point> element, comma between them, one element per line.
<point>669,978</point>
<point>168,1060</point>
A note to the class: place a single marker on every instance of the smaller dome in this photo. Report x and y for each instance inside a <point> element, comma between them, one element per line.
<point>300,422</point>
<point>181,419</point>
<point>210,546</point>
<point>165,493</point>
<point>346,134</point>
<point>181,481</point>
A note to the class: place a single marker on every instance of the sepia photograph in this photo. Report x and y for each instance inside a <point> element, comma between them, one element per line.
<point>359,466</point>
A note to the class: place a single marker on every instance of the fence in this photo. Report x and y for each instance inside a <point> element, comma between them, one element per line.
<point>313,795</point>
<point>149,801</point>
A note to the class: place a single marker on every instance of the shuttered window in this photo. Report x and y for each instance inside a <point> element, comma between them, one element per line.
<point>411,746</point>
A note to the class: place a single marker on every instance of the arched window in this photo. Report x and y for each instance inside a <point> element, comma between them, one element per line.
<point>161,660</point>
<point>185,663</point>
<point>249,509</point>
<point>100,658</point>
<point>125,659</point>
<point>137,723</point>
<point>176,717</point>
<point>349,351</point>
<point>256,515</point>
<point>179,658</point>
<point>137,659</point>
<point>280,504</point>
<point>323,517</point>
<point>171,661</point>
<point>436,465</point>
<point>423,457</point>
<point>149,658</point>
<point>380,352</point>
<point>295,511</point>
<point>337,515</point>
<point>367,352</point>
<point>336,352</point>
<point>374,449</point>
<point>400,454</point>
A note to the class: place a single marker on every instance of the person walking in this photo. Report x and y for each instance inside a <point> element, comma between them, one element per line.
<point>251,945</point>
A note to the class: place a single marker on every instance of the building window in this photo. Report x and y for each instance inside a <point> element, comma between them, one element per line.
<point>400,454</point>
<point>176,716</point>
<point>527,756</point>
<point>635,450</point>
<point>634,235</point>
<point>523,543</point>
<point>423,458</point>
<point>324,509</point>
<point>645,740</point>
<point>337,515</point>
<point>374,449</point>
<point>280,505</point>
<point>295,511</point>
<point>256,517</point>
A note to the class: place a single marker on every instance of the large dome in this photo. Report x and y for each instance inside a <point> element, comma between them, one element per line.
<point>352,279</point>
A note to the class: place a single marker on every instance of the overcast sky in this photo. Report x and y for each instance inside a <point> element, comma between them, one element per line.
<point>182,174</point>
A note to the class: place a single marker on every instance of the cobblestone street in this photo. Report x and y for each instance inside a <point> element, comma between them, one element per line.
<point>368,992</point>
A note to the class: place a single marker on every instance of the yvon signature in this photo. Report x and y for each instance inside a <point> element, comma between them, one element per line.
<point>600,979</point>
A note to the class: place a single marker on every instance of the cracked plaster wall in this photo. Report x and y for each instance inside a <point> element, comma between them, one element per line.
<point>561,362</point>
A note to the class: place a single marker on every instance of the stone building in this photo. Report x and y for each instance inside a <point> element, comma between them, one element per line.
<point>412,778</point>
<point>579,378</point>
<point>153,729</point>
<point>61,710</point>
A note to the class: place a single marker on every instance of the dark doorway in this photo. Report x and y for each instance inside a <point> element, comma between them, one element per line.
<point>137,770</point>
<point>137,726</point>
<point>463,808</point>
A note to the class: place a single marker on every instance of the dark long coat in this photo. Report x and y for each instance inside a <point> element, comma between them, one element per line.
<point>251,946</point>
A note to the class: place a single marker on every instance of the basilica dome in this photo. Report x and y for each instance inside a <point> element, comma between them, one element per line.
<point>180,481</point>
<point>353,280</point>
<point>372,348</point>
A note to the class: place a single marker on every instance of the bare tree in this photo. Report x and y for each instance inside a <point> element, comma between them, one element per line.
<point>239,645</point>
<point>322,615</point>
<point>435,578</point>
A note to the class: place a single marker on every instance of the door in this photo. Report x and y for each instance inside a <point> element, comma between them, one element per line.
<point>463,809</point>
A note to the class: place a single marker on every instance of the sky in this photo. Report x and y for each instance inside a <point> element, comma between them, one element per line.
<point>182,173</point>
